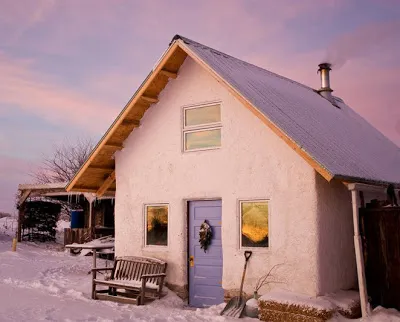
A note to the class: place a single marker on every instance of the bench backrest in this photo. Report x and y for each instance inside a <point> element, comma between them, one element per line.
<point>132,268</point>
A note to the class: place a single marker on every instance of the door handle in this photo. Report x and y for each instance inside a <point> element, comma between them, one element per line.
<point>191,261</point>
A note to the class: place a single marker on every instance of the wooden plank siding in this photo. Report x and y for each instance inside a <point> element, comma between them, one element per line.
<point>380,228</point>
<point>78,235</point>
<point>84,235</point>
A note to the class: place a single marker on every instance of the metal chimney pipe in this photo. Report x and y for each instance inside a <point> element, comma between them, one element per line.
<point>325,89</point>
<point>324,70</point>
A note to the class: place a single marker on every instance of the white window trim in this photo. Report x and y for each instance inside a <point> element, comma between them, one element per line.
<point>256,249</point>
<point>155,247</point>
<point>200,127</point>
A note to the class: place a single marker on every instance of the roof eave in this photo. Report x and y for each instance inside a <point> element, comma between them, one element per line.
<point>156,69</point>
<point>178,42</point>
<point>373,182</point>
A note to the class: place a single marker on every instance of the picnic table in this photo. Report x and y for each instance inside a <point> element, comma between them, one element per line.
<point>93,247</point>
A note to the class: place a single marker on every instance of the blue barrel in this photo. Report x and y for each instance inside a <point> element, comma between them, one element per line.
<point>77,219</point>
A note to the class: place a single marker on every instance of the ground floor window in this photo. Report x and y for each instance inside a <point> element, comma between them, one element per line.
<point>254,223</point>
<point>156,230</point>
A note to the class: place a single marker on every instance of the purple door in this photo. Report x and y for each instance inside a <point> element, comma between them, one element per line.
<point>205,268</point>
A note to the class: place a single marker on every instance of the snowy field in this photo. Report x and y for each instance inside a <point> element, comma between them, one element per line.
<point>43,283</point>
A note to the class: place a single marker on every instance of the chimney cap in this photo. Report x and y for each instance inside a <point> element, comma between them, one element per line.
<point>324,66</point>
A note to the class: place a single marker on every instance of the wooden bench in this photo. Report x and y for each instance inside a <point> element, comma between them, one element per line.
<point>132,280</point>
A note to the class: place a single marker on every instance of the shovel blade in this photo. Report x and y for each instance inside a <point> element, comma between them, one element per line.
<point>234,308</point>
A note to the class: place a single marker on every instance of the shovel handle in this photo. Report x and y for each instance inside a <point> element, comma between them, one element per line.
<point>247,254</point>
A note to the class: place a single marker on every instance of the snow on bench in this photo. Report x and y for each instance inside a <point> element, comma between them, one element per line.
<point>132,280</point>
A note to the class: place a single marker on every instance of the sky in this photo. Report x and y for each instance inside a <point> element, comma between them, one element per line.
<point>67,68</point>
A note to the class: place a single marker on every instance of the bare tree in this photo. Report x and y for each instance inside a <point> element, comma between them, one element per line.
<point>267,278</point>
<point>65,162</point>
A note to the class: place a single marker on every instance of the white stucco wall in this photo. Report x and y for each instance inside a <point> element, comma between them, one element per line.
<point>336,257</point>
<point>252,163</point>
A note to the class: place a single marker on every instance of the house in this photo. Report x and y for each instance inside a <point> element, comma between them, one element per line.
<point>266,161</point>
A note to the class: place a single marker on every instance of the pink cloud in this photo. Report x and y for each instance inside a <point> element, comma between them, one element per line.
<point>362,41</point>
<point>17,17</point>
<point>371,91</point>
<point>16,166</point>
<point>38,93</point>
<point>74,22</point>
<point>65,24</point>
<point>118,86</point>
<point>24,13</point>
<point>13,171</point>
<point>231,22</point>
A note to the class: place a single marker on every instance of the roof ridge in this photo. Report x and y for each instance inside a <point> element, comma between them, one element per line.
<point>326,138</point>
<point>190,41</point>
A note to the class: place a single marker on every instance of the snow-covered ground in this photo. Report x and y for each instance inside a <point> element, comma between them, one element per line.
<point>39,282</point>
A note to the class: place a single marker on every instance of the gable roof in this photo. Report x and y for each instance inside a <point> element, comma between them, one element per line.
<point>336,141</point>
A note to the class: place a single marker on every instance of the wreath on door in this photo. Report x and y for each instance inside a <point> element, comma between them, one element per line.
<point>205,235</point>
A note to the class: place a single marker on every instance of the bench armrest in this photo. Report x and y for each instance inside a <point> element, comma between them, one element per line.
<point>146,276</point>
<point>102,269</point>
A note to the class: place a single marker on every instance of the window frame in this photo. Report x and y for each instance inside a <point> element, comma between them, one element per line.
<point>145,206</point>
<point>200,127</point>
<point>257,249</point>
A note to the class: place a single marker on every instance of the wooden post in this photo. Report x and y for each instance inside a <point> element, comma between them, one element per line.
<point>94,250</point>
<point>21,211</point>
<point>362,282</point>
<point>20,220</point>
<point>362,200</point>
<point>90,213</point>
<point>67,236</point>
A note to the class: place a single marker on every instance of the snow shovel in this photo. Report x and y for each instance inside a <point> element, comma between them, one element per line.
<point>235,306</point>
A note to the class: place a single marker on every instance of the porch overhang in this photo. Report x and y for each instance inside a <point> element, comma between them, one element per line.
<point>379,188</point>
<point>357,190</point>
<point>52,190</point>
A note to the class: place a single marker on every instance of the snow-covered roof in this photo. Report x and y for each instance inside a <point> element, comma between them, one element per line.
<point>44,186</point>
<point>339,139</point>
<point>332,138</point>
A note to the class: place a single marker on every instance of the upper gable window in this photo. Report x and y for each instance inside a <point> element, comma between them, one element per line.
<point>202,127</point>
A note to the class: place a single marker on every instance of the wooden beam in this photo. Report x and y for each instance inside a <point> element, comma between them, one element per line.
<point>21,217</point>
<point>114,146</point>
<point>85,188</point>
<point>91,221</point>
<point>134,123</point>
<point>362,199</point>
<point>92,189</point>
<point>101,168</point>
<point>44,186</point>
<point>128,107</point>
<point>367,187</point>
<point>150,99</point>
<point>168,73</point>
<point>24,196</point>
<point>106,184</point>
